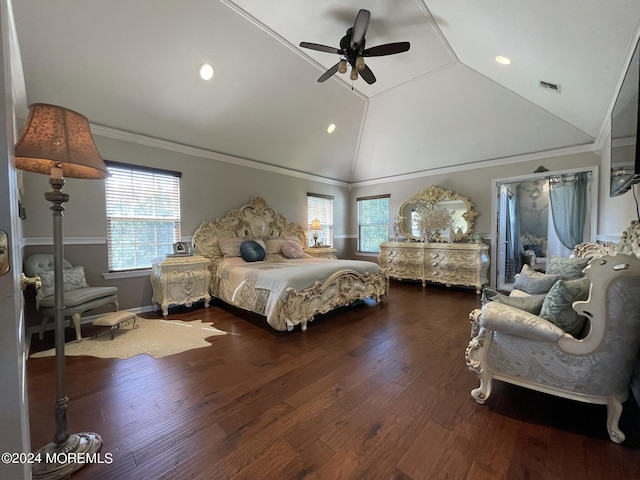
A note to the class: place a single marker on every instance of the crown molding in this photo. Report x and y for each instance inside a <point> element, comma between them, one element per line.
<point>497,162</point>
<point>113,133</point>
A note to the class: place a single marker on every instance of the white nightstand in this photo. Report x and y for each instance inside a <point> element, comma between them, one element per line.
<point>180,280</point>
<point>322,252</point>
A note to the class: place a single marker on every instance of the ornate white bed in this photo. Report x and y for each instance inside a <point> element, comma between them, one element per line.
<point>287,291</point>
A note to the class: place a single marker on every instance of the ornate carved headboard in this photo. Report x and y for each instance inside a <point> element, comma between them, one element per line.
<point>629,243</point>
<point>253,220</point>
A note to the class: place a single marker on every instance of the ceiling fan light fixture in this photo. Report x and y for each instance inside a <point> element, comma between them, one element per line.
<point>206,71</point>
<point>352,51</point>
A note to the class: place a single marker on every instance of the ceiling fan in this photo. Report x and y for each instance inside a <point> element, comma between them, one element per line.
<point>353,52</point>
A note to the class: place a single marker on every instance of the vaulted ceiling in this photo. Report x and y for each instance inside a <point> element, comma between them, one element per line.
<point>132,66</point>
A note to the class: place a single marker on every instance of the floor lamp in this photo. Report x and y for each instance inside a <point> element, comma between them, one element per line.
<point>58,142</point>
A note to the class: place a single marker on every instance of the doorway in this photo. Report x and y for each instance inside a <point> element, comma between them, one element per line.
<point>526,230</point>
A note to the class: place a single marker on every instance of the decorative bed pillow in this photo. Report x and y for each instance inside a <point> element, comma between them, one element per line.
<point>567,268</point>
<point>533,282</point>
<point>230,246</point>
<point>292,249</point>
<point>73,279</point>
<point>531,303</point>
<point>557,306</point>
<point>251,251</point>
<point>274,245</point>
<point>260,242</point>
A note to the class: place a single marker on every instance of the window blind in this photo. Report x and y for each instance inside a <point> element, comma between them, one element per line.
<point>373,223</point>
<point>143,215</point>
<point>320,207</point>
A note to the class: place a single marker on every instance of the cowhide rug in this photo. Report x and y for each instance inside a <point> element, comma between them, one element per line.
<point>157,338</point>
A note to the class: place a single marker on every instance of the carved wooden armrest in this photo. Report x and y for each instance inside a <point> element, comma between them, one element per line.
<point>474,318</point>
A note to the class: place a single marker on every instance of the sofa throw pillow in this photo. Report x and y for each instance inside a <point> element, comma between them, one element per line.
<point>73,279</point>
<point>518,293</point>
<point>292,249</point>
<point>567,268</point>
<point>531,303</point>
<point>251,251</point>
<point>557,306</point>
<point>533,282</point>
<point>230,246</point>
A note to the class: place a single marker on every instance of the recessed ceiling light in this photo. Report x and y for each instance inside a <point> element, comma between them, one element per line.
<point>503,60</point>
<point>331,128</point>
<point>206,71</point>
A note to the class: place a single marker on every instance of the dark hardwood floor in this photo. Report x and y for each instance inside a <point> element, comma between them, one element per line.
<point>371,392</point>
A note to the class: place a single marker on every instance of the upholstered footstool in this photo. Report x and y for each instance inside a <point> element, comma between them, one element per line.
<point>116,320</point>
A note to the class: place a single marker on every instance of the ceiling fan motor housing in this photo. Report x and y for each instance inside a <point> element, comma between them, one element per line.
<point>351,54</point>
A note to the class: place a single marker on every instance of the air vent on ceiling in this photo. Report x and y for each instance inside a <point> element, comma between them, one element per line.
<point>552,87</point>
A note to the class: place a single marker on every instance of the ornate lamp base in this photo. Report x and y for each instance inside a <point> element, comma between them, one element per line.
<point>58,461</point>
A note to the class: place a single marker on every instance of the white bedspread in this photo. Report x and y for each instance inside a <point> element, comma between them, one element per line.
<point>261,287</point>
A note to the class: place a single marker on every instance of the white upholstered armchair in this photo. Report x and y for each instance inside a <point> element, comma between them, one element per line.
<point>522,348</point>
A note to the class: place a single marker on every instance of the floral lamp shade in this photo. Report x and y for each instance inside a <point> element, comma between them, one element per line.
<point>55,136</point>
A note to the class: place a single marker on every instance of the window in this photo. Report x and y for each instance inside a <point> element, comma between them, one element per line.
<point>320,207</point>
<point>143,215</point>
<point>373,223</point>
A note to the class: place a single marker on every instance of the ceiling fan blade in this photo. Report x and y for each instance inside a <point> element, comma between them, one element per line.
<point>320,48</point>
<point>386,49</point>
<point>367,75</point>
<point>329,73</point>
<point>360,27</point>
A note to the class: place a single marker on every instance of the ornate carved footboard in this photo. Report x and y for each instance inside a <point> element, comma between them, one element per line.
<point>257,220</point>
<point>339,290</point>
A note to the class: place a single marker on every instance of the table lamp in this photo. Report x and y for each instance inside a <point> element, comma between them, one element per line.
<point>315,227</point>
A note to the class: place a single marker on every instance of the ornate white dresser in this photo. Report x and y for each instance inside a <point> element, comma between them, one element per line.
<point>180,280</point>
<point>436,224</point>
<point>461,264</point>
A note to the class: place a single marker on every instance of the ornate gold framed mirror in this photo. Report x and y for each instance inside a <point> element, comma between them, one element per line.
<point>436,215</point>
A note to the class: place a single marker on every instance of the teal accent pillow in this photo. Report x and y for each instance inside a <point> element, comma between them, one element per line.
<point>533,282</point>
<point>252,251</point>
<point>557,306</point>
<point>531,304</point>
<point>567,268</point>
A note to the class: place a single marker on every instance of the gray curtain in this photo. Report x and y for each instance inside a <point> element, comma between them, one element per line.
<point>513,260</point>
<point>568,199</point>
